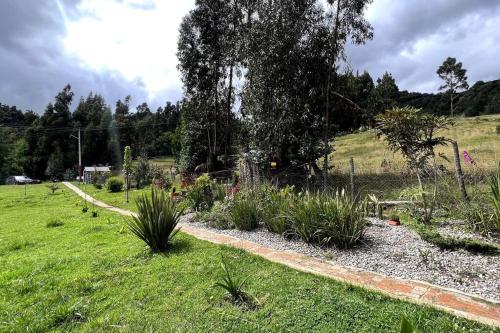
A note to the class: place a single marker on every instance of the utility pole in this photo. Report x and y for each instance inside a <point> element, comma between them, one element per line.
<point>79,138</point>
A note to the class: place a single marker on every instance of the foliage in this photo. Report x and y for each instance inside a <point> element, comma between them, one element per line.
<point>159,178</point>
<point>407,327</point>
<point>200,197</point>
<point>55,223</point>
<point>495,198</point>
<point>245,211</point>
<point>219,217</point>
<point>128,167</point>
<point>156,220</point>
<point>142,170</point>
<point>394,217</point>
<point>328,219</point>
<point>233,286</point>
<point>53,188</point>
<point>274,205</point>
<point>454,77</point>
<point>453,244</point>
<point>114,184</point>
<point>478,217</point>
<point>412,133</point>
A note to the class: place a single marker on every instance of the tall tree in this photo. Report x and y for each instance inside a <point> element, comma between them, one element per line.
<point>207,59</point>
<point>454,77</point>
<point>347,21</point>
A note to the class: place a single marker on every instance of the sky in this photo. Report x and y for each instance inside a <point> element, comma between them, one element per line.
<point>128,47</point>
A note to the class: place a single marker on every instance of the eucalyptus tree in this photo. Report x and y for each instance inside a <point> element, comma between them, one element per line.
<point>208,56</point>
<point>454,77</point>
<point>284,55</point>
<point>346,21</point>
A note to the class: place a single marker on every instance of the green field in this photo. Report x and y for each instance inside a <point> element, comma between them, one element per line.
<point>114,199</point>
<point>476,135</point>
<point>87,274</point>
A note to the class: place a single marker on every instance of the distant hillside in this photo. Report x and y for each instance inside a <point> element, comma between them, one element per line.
<point>482,98</point>
<point>478,135</point>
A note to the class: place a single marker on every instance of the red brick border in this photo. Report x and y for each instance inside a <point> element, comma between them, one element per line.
<point>452,301</point>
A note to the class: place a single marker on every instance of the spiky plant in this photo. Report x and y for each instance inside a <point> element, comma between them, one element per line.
<point>233,286</point>
<point>156,220</point>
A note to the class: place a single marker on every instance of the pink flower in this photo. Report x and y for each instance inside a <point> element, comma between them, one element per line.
<point>468,159</point>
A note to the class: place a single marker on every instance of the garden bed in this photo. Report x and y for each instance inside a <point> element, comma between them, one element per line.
<point>397,252</point>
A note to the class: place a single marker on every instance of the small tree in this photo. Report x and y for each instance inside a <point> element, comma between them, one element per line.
<point>413,133</point>
<point>142,169</point>
<point>127,168</point>
<point>454,77</point>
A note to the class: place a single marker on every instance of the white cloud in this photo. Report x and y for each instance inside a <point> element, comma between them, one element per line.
<point>139,42</point>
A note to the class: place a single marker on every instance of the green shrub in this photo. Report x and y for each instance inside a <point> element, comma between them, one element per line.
<point>477,216</point>
<point>304,216</point>
<point>274,205</point>
<point>55,223</point>
<point>453,244</point>
<point>407,327</point>
<point>495,198</point>
<point>219,217</point>
<point>245,212</point>
<point>200,197</point>
<point>328,219</point>
<point>156,220</point>
<point>114,184</point>
<point>342,220</point>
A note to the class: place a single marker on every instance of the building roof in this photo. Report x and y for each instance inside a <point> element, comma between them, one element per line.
<point>97,169</point>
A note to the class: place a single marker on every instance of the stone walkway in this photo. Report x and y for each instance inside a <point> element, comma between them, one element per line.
<point>452,301</point>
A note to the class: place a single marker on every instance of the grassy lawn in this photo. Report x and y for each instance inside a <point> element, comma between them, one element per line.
<point>91,275</point>
<point>114,199</point>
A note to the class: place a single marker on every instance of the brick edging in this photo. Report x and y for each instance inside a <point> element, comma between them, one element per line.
<point>451,301</point>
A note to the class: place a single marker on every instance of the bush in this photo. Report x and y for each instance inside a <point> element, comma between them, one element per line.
<point>54,224</point>
<point>114,185</point>
<point>273,208</point>
<point>304,217</point>
<point>328,219</point>
<point>245,212</point>
<point>219,217</point>
<point>342,220</point>
<point>200,198</point>
<point>495,198</point>
<point>157,217</point>
<point>234,287</point>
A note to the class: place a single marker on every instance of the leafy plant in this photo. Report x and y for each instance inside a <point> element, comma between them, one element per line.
<point>233,286</point>
<point>394,217</point>
<point>495,198</point>
<point>407,327</point>
<point>114,184</point>
<point>245,212</point>
<point>375,203</point>
<point>342,220</point>
<point>219,217</point>
<point>200,197</point>
<point>156,220</point>
<point>53,188</point>
<point>327,219</point>
<point>274,205</point>
<point>54,223</point>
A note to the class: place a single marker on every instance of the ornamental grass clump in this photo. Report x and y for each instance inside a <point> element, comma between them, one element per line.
<point>156,220</point>
<point>342,220</point>
<point>328,220</point>
<point>245,211</point>
<point>234,287</point>
<point>274,205</point>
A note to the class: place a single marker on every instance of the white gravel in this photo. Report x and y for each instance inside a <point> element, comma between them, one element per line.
<point>397,252</point>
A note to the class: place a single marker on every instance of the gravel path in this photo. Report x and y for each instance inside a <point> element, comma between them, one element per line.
<point>397,252</point>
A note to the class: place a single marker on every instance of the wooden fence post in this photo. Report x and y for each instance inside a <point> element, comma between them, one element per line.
<point>351,172</point>
<point>460,174</point>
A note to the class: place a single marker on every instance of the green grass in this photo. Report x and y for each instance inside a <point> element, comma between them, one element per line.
<point>91,275</point>
<point>476,135</point>
<point>115,199</point>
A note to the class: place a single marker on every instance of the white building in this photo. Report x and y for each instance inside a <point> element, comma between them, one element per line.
<point>89,172</point>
